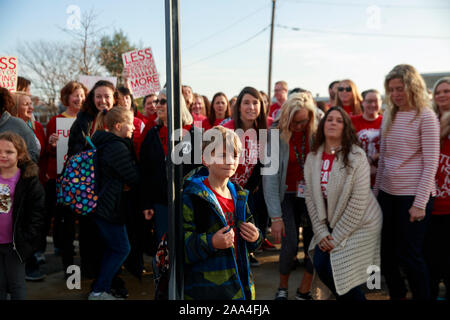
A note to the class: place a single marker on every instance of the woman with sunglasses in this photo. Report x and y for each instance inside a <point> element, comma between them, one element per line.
<point>220,110</point>
<point>345,215</point>
<point>348,97</point>
<point>405,183</point>
<point>154,157</point>
<point>285,203</point>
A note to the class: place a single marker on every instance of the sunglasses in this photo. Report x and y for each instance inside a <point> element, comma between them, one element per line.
<point>160,101</point>
<point>348,89</point>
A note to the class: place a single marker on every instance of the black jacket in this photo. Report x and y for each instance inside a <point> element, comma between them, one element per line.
<point>153,184</point>
<point>116,167</point>
<point>28,212</point>
<point>80,128</point>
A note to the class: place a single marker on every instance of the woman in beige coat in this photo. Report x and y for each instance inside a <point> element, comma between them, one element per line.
<point>345,215</point>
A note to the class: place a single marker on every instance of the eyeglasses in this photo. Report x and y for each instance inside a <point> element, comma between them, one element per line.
<point>161,101</point>
<point>348,89</point>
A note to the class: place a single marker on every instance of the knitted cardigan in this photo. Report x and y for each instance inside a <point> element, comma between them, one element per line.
<point>353,215</point>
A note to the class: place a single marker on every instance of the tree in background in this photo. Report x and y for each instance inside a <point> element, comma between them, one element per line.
<point>110,53</point>
<point>50,65</point>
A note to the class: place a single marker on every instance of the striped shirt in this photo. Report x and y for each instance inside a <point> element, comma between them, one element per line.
<point>409,156</point>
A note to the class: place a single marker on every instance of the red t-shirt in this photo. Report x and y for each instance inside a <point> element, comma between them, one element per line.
<point>273,109</point>
<point>198,120</point>
<point>294,170</point>
<point>327,164</point>
<point>348,109</point>
<point>442,199</point>
<point>206,125</point>
<point>368,133</point>
<point>227,206</point>
<point>138,129</point>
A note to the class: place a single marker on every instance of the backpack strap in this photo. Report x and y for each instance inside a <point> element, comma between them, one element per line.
<point>88,139</point>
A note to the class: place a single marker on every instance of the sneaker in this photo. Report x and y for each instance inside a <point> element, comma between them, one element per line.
<point>102,296</point>
<point>267,246</point>
<point>282,294</point>
<point>120,293</point>
<point>118,288</point>
<point>34,275</point>
<point>253,261</point>
<point>40,257</point>
<point>303,296</point>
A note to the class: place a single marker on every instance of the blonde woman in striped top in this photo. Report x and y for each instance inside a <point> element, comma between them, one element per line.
<point>409,156</point>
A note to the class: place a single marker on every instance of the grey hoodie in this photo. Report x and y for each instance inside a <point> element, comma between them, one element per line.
<point>16,125</point>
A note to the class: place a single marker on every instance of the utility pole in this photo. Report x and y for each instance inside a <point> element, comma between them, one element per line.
<point>270,52</point>
<point>175,175</point>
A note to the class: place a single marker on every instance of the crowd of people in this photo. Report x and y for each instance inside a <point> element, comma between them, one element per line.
<point>364,185</point>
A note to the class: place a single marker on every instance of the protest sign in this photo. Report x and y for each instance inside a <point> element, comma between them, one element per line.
<point>139,65</point>
<point>90,81</point>
<point>8,73</point>
<point>62,130</point>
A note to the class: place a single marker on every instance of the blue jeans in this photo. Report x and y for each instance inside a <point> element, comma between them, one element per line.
<point>322,265</point>
<point>117,248</point>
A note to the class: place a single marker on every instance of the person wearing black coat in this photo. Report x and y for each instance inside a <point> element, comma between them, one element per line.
<point>27,213</point>
<point>117,172</point>
<point>90,242</point>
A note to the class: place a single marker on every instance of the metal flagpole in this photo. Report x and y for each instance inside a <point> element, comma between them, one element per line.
<point>175,174</point>
<point>269,89</point>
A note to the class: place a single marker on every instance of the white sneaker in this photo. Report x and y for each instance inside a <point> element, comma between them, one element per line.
<point>102,296</point>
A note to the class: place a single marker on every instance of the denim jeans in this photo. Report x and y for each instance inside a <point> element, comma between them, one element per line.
<point>117,248</point>
<point>402,244</point>
<point>322,265</point>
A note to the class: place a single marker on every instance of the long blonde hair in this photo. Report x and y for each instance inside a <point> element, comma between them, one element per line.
<point>294,103</point>
<point>437,84</point>
<point>14,110</point>
<point>415,89</point>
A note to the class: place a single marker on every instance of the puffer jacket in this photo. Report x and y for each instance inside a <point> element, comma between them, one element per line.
<point>116,168</point>
<point>211,273</point>
<point>28,212</point>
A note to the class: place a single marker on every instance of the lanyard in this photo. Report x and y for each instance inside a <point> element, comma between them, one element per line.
<point>301,160</point>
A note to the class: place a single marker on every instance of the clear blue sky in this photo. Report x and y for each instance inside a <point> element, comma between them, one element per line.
<point>222,50</point>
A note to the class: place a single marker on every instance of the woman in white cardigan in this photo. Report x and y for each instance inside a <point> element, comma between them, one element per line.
<point>345,215</point>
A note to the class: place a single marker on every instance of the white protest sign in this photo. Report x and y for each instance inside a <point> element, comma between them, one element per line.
<point>143,78</point>
<point>62,130</point>
<point>90,81</point>
<point>8,73</point>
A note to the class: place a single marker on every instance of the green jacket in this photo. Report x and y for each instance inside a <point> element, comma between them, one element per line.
<point>214,274</point>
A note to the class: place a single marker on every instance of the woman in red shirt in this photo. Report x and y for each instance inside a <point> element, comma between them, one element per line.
<point>249,116</point>
<point>367,127</point>
<point>73,95</point>
<point>198,110</point>
<point>439,260</point>
<point>348,97</point>
<point>282,190</point>
<point>126,100</point>
<point>220,110</point>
